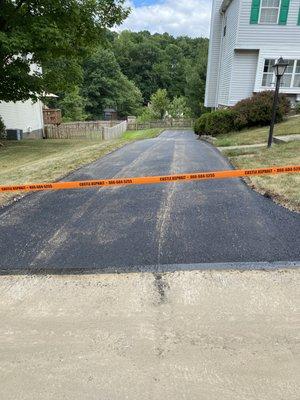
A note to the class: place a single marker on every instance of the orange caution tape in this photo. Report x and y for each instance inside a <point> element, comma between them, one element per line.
<point>195,176</point>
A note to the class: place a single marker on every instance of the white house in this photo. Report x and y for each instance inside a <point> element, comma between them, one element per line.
<point>27,115</point>
<point>246,38</point>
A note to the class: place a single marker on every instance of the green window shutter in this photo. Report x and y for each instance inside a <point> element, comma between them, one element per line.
<point>299,17</point>
<point>255,11</point>
<point>284,12</point>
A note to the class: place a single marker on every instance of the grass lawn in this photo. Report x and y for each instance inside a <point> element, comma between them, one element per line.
<point>144,134</point>
<point>285,188</point>
<point>259,135</point>
<point>32,161</point>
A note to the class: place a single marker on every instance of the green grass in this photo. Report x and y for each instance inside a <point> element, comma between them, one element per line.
<point>284,188</point>
<point>30,161</point>
<point>259,135</point>
<point>142,134</point>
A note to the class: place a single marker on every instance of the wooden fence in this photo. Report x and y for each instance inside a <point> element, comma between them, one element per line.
<point>168,123</point>
<point>79,130</point>
<point>115,131</point>
<point>107,130</point>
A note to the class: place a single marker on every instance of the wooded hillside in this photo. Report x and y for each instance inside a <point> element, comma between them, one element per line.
<point>130,67</point>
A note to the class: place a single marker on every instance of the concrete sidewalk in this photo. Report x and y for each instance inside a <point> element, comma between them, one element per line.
<point>185,335</point>
<point>244,146</point>
<point>277,139</point>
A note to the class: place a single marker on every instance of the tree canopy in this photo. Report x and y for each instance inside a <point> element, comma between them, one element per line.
<point>161,61</point>
<point>105,85</point>
<point>53,34</point>
<point>90,66</point>
<point>135,69</point>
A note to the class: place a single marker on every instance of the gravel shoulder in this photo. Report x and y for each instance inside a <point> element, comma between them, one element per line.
<point>183,335</point>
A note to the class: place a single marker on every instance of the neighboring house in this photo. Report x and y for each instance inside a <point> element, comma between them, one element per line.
<point>27,115</point>
<point>246,39</point>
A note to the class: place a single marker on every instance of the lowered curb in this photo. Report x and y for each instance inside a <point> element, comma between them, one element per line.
<point>159,268</point>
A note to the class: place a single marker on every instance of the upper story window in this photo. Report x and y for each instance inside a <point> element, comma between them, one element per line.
<point>269,11</point>
<point>291,78</point>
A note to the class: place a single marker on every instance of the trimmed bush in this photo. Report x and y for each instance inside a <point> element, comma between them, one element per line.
<point>2,129</point>
<point>200,124</point>
<point>254,111</point>
<point>215,123</point>
<point>257,110</point>
<point>297,108</point>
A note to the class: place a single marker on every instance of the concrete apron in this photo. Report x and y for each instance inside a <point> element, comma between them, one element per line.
<point>178,335</point>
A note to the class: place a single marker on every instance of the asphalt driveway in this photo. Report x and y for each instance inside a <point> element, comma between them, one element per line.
<point>126,228</point>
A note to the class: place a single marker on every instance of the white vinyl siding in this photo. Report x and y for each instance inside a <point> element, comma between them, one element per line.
<point>251,36</point>
<point>212,78</point>
<point>26,115</point>
<point>230,20</point>
<point>243,76</point>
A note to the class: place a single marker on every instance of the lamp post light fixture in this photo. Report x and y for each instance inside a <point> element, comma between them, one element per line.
<point>279,67</point>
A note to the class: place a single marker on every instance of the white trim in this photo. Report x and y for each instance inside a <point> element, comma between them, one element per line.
<point>220,61</point>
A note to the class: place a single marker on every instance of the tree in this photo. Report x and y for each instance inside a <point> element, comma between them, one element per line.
<point>106,86</point>
<point>137,54</point>
<point>178,108</point>
<point>195,81</point>
<point>54,34</point>
<point>147,114</point>
<point>163,62</point>
<point>160,102</point>
<point>72,106</point>
<point>2,129</point>
<point>170,70</point>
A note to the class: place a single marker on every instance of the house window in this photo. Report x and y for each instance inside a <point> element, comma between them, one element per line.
<point>290,79</point>
<point>297,75</point>
<point>269,11</point>
<point>288,76</point>
<point>268,76</point>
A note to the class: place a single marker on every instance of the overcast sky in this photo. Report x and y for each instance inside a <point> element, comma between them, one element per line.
<point>177,17</point>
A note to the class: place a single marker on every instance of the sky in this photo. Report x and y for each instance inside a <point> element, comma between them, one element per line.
<point>177,17</point>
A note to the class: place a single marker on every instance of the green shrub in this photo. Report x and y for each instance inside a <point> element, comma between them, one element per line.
<point>2,129</point>
<point>147,114</point>
<point>200,124</point>
<point>257,110</point>
<point>297,108</point>
<point>215,123</point>
<point>220,122</point>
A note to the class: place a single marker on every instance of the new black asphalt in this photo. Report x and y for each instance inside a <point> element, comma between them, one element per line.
<point>130,228</point>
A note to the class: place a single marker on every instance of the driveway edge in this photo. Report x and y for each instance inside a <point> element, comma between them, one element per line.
<point>161,269</point>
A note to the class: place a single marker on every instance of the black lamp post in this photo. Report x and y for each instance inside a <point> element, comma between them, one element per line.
<point>280,68</point>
